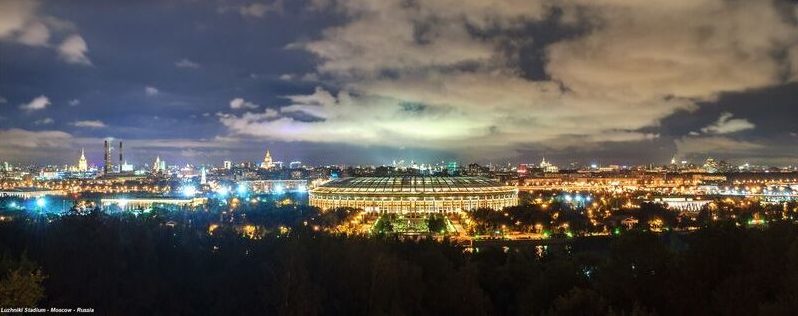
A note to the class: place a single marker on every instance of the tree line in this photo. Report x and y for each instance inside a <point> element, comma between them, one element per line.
<point>141,265</point>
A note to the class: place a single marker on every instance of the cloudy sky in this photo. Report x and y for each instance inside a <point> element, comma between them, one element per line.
<point>363,81</point>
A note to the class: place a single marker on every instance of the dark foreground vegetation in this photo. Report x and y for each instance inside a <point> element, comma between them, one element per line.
<point>144,265</point>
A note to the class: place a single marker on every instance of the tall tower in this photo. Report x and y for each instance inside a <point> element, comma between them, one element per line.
<point>267,161</point>
<point>121,159</point>
<point>156,166</point>
<point>108,166</point>
<point>83,165</point>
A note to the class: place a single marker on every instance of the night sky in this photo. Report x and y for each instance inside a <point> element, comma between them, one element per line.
<point>364,81</point>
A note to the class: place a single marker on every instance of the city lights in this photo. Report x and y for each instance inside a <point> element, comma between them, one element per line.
<point>223,191</point>
<point>242,189</point>
<point>403,157</point>
<point>188,190</point>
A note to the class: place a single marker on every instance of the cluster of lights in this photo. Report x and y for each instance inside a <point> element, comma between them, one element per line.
<point>577,198</point>
<point>223,191</point>
<point>188,190</point>
<point>242,189</point>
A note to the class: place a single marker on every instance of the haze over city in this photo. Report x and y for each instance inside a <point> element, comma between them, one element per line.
<point>370,82</point>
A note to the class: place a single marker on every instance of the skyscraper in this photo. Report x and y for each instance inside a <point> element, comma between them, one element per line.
<point>83,165</point>
<point>228,164</point>
<point>159,165</point>
<point>267,161</point>
<point>108,166</point>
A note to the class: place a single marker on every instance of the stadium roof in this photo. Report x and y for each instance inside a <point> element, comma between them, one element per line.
<point>412,184</point>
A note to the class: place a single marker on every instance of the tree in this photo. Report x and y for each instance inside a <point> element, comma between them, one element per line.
<point>579,301</point>
<point>22,286</point>
<point>436,223</point>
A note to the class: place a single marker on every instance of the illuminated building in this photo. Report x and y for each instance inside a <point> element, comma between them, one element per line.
<point>126,167</point>
<point>121,158</point>
<point>228,164</point>
<point>267,161</point>
<point>688,204</point>
<point>548,167</point>
<point>274,186</point>
<point>159,165</point>
<point>147,203</point>
<point>414,194</point>
<point>295,165</point>
<point>710,165</point>
<point>107,164</point>
<point>83,165</point>
<point>451,167</point>
<point>30,193</point>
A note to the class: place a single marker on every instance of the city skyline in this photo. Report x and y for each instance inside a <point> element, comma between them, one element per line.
<point>203,82</point>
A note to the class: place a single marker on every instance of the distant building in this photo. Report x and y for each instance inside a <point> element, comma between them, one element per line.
<point>475,170</point>
<point>159,165</point>
<point>126,167</point>
<point>548,167</point>
<point>228,164</point>
<point>108,166</point>
<point>295,165</point>
<point>83,165</point>
<point>710,165</point>
<point>30,193</point>
<point>267,161</point>
<point>275,186</point>
<point>125,204</point>
<point>451,167</point>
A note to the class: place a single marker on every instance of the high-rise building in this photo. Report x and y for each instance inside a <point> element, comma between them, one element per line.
<point>228,164</point>
<point>203,176</point>
<point>267,161</point>
<point>107,164</point>
<point>83,165</point>
<point>159,165</point>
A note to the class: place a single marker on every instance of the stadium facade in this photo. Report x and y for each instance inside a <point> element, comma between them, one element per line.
<point>414,194</point>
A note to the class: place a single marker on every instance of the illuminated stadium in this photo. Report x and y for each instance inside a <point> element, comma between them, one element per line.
<point>413,194</point>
